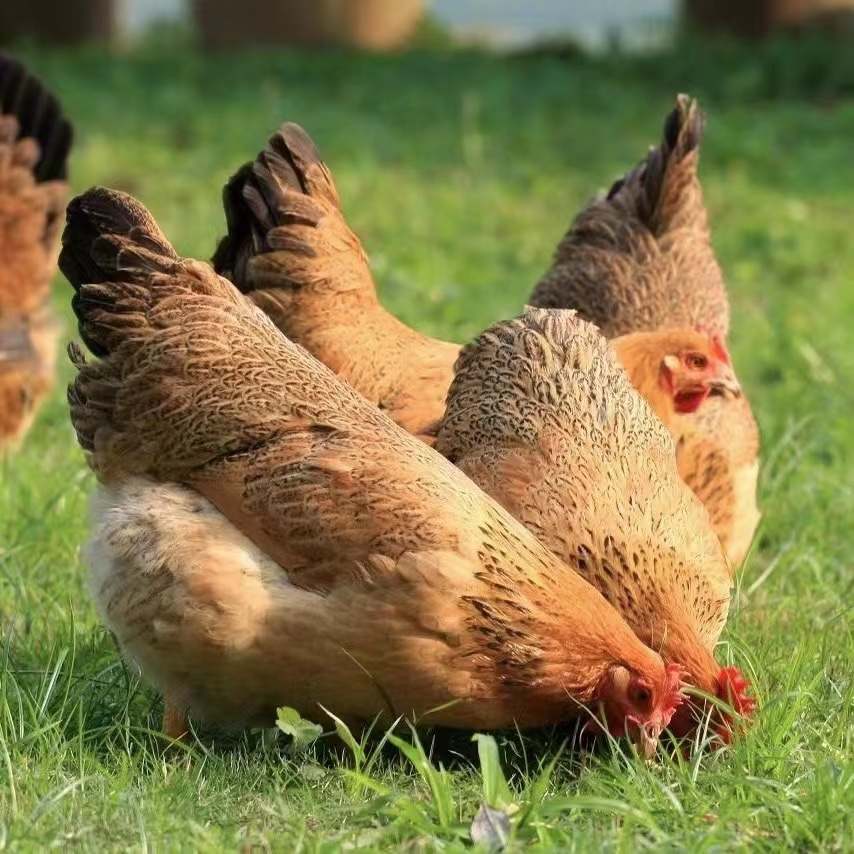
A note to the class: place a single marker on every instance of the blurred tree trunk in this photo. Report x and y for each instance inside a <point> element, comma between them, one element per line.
<point>758,18</point>
<point>61,22</point>
<point>374,24</point>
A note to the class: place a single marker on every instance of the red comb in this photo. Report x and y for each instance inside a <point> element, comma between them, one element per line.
<point>732,689</point>
<point>673,697</point>
<point>720,350</point>
<point>718,346</point>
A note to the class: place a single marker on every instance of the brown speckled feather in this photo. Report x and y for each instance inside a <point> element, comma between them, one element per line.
<point>543,418</point>
<point>290,249</point>
<point>724,474</point>
<point>716,446</point>
<point>34,141</point>
<point>264,536</point>
<point>641,259</point>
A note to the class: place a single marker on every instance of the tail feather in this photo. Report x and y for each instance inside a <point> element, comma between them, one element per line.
<point>666,181</point>
<point>641,258</point>
<point>39,117</point>
<point>286,186</point>
<point>240,215</point>
<point>138,305</point>
<point>110,237</point>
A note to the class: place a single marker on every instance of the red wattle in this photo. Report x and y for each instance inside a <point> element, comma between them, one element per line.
<point>686,402</point>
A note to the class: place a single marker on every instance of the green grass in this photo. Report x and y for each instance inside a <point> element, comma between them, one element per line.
<point>461,172</point>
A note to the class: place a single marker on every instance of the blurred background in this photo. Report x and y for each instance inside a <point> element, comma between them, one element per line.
<point>391,23</point>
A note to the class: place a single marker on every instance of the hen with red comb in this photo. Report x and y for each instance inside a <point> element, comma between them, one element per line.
<point>640,260</point>
<point>542,418</point>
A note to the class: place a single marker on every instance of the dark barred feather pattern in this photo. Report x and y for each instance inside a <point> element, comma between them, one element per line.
<point>641,258</point>
<point>39,116</point>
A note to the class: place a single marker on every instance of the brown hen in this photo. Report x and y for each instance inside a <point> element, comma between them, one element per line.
<point>290,249</point>
<point>641,260</point>
<point>541,416</point>
<point>35,138</point>
<point>264,536</point>
<point>687,378</point>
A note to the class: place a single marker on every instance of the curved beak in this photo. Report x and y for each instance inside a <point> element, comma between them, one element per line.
<point>724,381</point>
<point>646,740</point>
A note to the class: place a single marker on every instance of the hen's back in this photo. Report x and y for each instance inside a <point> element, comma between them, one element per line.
<point>641,259</point>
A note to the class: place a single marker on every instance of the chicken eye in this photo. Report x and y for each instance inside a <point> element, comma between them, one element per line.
<point>696,361</point>
<point>641,696</point>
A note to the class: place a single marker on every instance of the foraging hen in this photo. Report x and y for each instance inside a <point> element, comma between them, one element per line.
<point>35,138</point>
<point>289,248</point>
<point>541,416</point>
<point>263,535</point>
<point>641,260</point>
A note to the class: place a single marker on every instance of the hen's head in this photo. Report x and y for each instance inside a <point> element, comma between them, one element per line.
<point>693,365</point>
<point>730,687</point>
<point>640,704</point>
<point>677,369</point>
<point>732,690</point>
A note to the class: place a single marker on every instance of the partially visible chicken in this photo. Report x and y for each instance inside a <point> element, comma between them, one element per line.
<point>720,462</point>
<point>263,535</point>
<point>289,248</point>
<point>35,138</point>
<point>687,378</point>
<point>541,416</point>
<point>641,260</point>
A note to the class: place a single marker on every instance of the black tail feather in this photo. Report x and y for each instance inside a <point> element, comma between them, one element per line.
<point>271,191</point>
<point>683,127</point>
<point>109,237</point>
<point>39,116</point>
<point>238,223</point>
<point>682,133</point>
